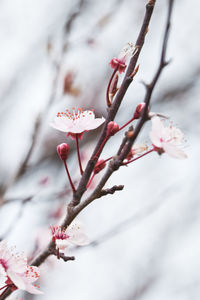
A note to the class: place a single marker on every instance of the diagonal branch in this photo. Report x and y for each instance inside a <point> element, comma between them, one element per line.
<point>115,106</point>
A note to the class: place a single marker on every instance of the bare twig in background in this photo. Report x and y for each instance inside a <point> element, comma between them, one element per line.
<point>38,123</point>
<point>124,225</point>
<point>17,217</point>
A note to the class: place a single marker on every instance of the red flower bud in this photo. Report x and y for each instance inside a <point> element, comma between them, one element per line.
<point>118,64</point>
<point>112,128</point>
<point>100,165</point>
<point>139,110</point>
<point>63,151</point>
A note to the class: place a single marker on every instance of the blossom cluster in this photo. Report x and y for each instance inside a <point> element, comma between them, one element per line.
<point>74,234</point>
<point>19,275</point>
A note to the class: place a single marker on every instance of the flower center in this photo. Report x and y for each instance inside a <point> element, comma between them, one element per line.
<point>31,273</point>
<point>74,115</point>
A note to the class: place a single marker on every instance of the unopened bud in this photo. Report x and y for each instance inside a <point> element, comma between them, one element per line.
<point>130,134</point>
<point>139,110</point>
<point>112,128</point>
<point>63,151</point>
<point>100,165</point>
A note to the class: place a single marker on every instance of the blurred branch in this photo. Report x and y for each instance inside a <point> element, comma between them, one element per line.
<point>16,218</point>
<point>38,123</point>
<point>73,16</point>
<point>178,90</point>
<point>124,225</point>
<point>150,87</point>
<point>24,164</point>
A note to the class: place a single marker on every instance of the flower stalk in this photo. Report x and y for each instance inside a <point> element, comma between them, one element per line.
<point>69,177</point>
<point>78,154</point>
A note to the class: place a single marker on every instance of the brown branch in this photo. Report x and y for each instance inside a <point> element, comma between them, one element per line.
<point>62,255</point>
<point>125,224</point>
<point>111,190</point>
<point>150,87</point>
<point>124,141</point>
<point>115,106</point>
<point>16,218</point>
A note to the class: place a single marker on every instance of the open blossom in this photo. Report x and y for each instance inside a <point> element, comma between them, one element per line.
<point>167,139</point>
<point>76,122</point>
<point>19,274</point>
<point>73,235</point>
<point>119,62</point>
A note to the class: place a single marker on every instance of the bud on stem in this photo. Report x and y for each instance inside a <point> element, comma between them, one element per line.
<point>63,151</point>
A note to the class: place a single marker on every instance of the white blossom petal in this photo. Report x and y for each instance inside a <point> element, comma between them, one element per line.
<point>174,151</point>
<point>76,232</point>
<point>77,122</point>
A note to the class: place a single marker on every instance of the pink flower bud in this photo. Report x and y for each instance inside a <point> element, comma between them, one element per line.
<point>118,64</point>
<point>100,165</point>
<point>139,110</point>
<point>112,128</point>
<point>63,151</point>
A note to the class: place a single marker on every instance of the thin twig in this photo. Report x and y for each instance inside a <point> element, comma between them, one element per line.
<point>62,255</point>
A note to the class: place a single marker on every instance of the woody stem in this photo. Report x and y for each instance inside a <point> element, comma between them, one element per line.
<point>78,153</point>
<point>70,180</point>
<point>108,88</point>
<point>5,291</point>
<point>91,179</point>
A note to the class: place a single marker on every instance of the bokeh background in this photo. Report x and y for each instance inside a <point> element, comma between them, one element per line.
<point>54,55</point>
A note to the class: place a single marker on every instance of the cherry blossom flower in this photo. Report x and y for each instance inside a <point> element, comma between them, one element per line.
<point>119,62</point>
<point>73,235</point>
<point>19,274</point>
<point>76,122</point>
<point>167,139</point>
